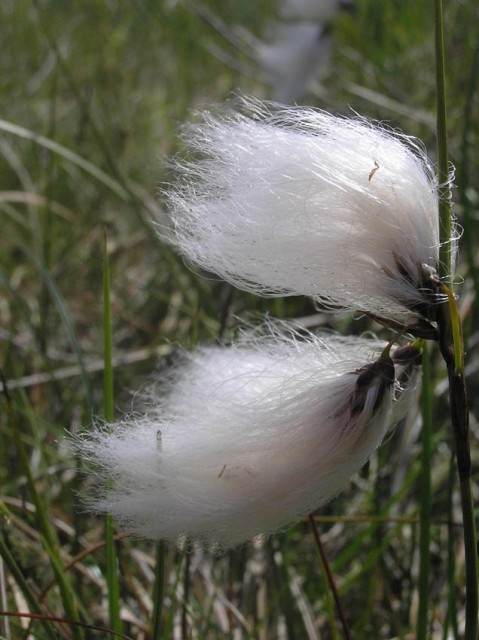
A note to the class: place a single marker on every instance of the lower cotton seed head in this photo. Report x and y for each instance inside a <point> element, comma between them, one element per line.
<point>249,439</point>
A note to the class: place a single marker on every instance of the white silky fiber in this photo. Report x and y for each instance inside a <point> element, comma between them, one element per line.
<point>247,439</point>
<point>294,201</point>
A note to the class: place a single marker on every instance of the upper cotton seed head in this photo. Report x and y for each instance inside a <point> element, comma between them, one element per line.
<point>294,201</point>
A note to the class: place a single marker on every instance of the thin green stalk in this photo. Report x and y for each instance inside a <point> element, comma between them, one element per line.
<point>452,351</point>
<point>111,554</point>
<point>158,591</point>
<point>286,600</point>
<point>451,345</point>
<point>4,599</point>
<point>425,505</point>
<point>445,222</point>
<point>464,169</point>
<point>186,596</point>
<point>451,615</point>
<point>107,337</point>
<point>456,331</point>
<point>470,546</point>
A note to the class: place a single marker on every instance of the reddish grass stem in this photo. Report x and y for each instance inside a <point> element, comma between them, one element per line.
<point>331,581</point>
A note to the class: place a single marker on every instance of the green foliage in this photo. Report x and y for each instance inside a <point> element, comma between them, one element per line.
<point>91,97</point>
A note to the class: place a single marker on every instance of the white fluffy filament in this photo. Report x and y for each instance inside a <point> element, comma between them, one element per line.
<point>294,201</point>
<point>248,439</point>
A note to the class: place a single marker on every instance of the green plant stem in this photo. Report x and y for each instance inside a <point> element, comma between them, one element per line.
<point>425,504</point>
<point>445,222</point>
<point>158,591</point>
<point>470,546</point>
<point>465,171</point>
<point>110,547</point>
<point>451,615</point>
<point>451,344</point>
<point>452,352</point>
<point>107,337</point>
<point>186,596</point>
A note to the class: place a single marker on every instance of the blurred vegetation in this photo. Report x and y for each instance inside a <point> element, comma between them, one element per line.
<point>92,96</point>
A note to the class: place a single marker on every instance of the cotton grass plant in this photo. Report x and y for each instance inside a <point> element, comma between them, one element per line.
<point>81,154</point>
<point>287,201</point>
<point>281,200</point>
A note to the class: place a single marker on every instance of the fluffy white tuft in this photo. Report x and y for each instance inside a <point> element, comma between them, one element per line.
<point>248,439</point>
<point>298,54</point>
<point>294,201</point>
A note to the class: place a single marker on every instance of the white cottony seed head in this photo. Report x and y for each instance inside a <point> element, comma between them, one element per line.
<point>298,54</point>
<point>294,201</point>
<point>248,439</point>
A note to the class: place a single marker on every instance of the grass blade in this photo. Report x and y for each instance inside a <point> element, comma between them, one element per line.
<point>425,502</point>
<point>111,554</point>
<point>451,615</point>
<point>330,591</point>
<point>445,222</point>
<point>452,347</point>
<point>67,154</point>
<point>158,591</point>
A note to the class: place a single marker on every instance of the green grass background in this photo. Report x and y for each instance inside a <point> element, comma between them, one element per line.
<point>92,96</point>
